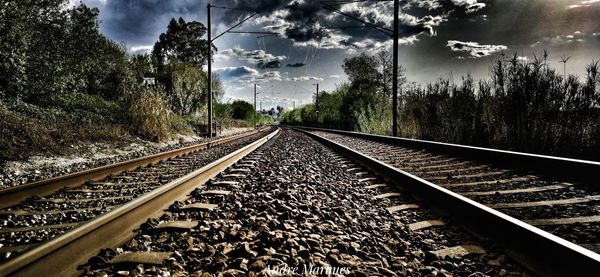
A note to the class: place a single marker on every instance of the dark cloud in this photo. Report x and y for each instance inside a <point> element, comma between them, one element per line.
<point>295,64</point>
<point>139,22</point>
<point>260,58</point>
<point>271,64</point>
<point>306,22</point>
<point>235,72</point>
<point>474,49</point>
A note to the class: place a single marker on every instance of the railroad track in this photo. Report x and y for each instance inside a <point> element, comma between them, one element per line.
<point>46,222</point>
<point>295,207</point>
<point>292,204</point>
<point>545,194</point>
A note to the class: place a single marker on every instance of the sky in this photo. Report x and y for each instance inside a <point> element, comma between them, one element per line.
<point>438,38</point>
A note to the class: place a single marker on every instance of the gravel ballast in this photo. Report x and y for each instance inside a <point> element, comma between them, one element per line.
<point>48,215</point>
<point>295,209</point>
<point>87,156</point>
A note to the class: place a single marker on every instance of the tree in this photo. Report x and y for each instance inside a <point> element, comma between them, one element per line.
<point>363,72</point>
<point>182,41</point>
<point>142,66</point>
<point>242,110</point>
<point>188,87</point>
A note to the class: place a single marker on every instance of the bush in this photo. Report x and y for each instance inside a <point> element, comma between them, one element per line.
<point>180,124</point>
<point>149,114</point>
<point>26,128</point>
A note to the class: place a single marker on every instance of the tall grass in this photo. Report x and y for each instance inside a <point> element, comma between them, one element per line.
<point>523,106</point>
<point>149,114</point>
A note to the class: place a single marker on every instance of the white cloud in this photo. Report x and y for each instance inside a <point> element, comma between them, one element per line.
<point>563,40</point>
<point>220,57</point>
<point>584,4</point>
<point>143,49</point>
<point>474,49</point>
<point>244,74</point>
<point>335,76</point>
<point>259,58</point>
<point>470,6</point>
<point>304,78</point>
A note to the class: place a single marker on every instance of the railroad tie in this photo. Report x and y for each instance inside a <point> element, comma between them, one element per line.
<point>239,170</point>
<point>54,212</point>
<point>514,191</point>
<point>568,201</point>
<point>425,224</point>
<point>402,207</point>
<point>234,176</point>
<point>37,228</point>
<point>177,225</point>
<point>216,192</point>
<point>225,183</point>
<point>479,183</point>
<point>591,246</point>
<point>466,176</point>
<point>367,179</point>
<point>245,165</point>
<point>457,252</point>
<point>563,221</point>
<point>18,248</point>
<point>200,206</point>
<point>148,258</point>
<point>374,186</point>
<point>387,195</point>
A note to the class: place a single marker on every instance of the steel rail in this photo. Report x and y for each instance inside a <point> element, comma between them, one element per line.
<point>12,196</point>
<point>540,251</point>
<point>574,170</point>
<point>61,256</point>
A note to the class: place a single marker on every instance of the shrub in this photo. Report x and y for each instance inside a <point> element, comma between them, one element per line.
<point>149,114</point>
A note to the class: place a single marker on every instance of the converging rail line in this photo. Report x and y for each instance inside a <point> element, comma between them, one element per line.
<point>296,207</point>
<point>280,200</point>
<point>45,223</point>
<point>507,196</point>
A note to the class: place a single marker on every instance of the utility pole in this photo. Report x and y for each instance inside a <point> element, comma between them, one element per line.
<point>254,105</point>
<point>395,72</point>
<point>209,73</point>
<point>260,104</point>
<point>317,101</point>
<point>210,44</point>
<point>294,105</point>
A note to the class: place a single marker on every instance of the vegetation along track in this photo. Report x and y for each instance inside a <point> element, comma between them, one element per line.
<point>296,207</point>
<point>68,204</point>
<point>527,187</point>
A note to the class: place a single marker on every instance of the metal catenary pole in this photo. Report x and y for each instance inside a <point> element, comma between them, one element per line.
<point>210,44</point>
<point>209,74</point>
<point>254,115</point>
<point>395,73</point>
<point>317,101</point>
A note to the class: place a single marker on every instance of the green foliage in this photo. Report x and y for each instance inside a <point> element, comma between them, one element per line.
<point>25,128</point>
<point>182,41</point>
<point>180,124</point>
<point>50,50</point>
<point>525,107</point>
<point>188,87</point>
<point>242,110</point>
<point>266,119</point>
<point>142,66</point>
